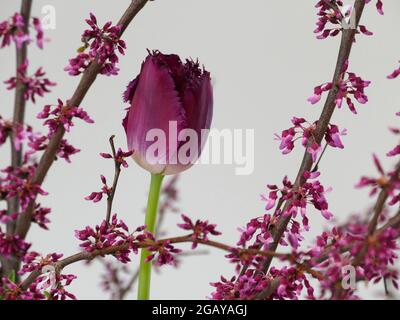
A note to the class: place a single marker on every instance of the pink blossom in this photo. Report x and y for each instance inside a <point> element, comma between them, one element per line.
<point>18,183</point>
<point>110,234</point>
<point>37,24</point>
<point>163,253</point>
<point>40,216</point>
<point>394,74</point>
<point>103,43</point>
<point>97,196</point>
<point>120,157</point>
<point>14,30</point>
<point>12,245</point>
<point>379,5</point>
<point>297,199</point>
<point>34,261</point>
<point>349,85</point>
<point>9,290</point>
<point>201,229</point>
<point>243,287</point>
<point>36,84</point>
<point>62,115</point>
<point>332,16</point>
<point>5,129</point>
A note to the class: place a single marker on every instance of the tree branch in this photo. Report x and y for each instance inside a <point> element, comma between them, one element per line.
<point>144,244</point>
<point>19,107</point>
<point>18,118</point>
<point>347,40</point>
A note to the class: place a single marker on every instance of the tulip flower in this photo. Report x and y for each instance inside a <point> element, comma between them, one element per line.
<point>169,117</point>
<point>175,98</point>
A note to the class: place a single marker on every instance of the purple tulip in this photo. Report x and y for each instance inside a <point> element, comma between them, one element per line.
<point>172,98</point>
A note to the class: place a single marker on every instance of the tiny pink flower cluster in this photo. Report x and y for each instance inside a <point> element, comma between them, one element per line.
<point>15,30</point>
<point>103,44</point>
<point>201,229</point>
<point>36,84</point>
<point>334,12</point>
<point>62,115</point>
<point>353,85</point>
<point>305,131</point>
<point>108,234</point>
<point>17,182</point>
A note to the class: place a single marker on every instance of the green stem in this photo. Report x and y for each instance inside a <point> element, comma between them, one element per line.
<point>151,218</point>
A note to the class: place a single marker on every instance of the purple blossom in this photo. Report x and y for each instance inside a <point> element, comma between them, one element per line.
<point>66,150</point>
<point>387,180</point>
<point>39,216</point>
<point>304,131</point>
<point>5,217</point>
<point>297,199</point>
<point>9,290</point>
<point>349,85</point>
<point>18,183</point>
<point>200,229</point>
<point>78,64</point>
<point>106,235</point>
<point>379,6</point>
<point>36,84</point>
<point>62,115</point>
<point>14,30</point>
<point>5,129</point>
<point>119,157</point>
<point>332,16</point>
<point>34,261</point>
<point>394,74</point>
<point>97,196</point>
<point>103,44</point>
<point>60,293</point>
<point>244,287</point>
<point>37,24</point>
<point>163,253</point>
<point>12,245</point>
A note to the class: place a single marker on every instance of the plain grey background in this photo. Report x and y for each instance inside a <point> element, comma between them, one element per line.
<point>265,61</point>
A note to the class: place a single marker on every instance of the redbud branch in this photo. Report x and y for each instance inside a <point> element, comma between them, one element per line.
<point>18,119</point>
<point>19,106</point>
<point>117,172</point>
<point>378,208</point>
<point>347,40</point>
<point>48,157</point>
<point>382,198</point>
<point>81,256</point>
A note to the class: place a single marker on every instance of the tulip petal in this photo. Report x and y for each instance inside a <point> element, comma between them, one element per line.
<point>198,104</point>
<point>155,103</point>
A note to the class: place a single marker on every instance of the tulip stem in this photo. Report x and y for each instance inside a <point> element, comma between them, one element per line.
<point>150,222</point>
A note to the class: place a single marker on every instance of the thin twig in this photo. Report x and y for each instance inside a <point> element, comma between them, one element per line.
<point>117,172</point>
